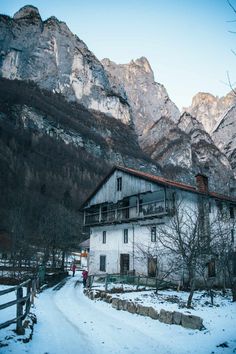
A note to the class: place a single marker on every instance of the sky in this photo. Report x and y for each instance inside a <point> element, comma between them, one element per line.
<point>188,43</point>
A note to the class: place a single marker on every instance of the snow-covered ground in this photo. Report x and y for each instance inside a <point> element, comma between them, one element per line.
<point>69,322</point>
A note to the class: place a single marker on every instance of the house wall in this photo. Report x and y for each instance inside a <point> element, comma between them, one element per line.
<point>139,231</point>
<point>139,237</point>
<point>130,185</point>
<point>138,247</point>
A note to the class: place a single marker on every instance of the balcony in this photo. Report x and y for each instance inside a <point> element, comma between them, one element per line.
<point>118,213</point>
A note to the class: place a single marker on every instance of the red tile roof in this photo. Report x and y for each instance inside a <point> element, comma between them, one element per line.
<point>175,184</point>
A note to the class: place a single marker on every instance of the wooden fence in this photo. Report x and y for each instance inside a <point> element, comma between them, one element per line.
<point>128,279</point>
<point>23,303</point>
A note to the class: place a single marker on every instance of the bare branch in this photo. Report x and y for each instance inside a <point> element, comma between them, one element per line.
<point>232,7</point>
<point>230,84</point>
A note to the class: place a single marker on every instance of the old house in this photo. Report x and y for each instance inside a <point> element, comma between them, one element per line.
<point>131,212</point>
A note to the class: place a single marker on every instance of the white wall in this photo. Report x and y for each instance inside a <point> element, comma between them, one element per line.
<point>139,234</point>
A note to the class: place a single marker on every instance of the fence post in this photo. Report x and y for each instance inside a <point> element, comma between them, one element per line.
<point>19,312</point>
<point>33,290</point>
<point>106,281</point>
<point>138,282</point>
<point>28,302</point>
<point>41,273</point>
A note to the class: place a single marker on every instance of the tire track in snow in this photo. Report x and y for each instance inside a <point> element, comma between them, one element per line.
<point>110,332</point>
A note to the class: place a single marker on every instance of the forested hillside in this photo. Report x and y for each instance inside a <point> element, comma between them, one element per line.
<point>52,154</point>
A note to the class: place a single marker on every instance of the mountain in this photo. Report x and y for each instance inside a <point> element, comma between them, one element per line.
<point>79,144</point>
<point>224,136</point>
<point>217,116</point>
<point>52,155</point>
<point>148,99</point>
<point>209,109</point>
<point>102,112</point>
<point>48,53</point>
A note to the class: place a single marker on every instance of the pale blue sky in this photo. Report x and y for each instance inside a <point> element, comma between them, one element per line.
<point>187,42</point>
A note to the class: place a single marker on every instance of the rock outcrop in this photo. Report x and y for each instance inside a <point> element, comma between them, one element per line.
<point>209,109</point>
<point>48,53</point>
<point>186,148</point>
<point>217,116</point>
<point>148,99</point>
<point>48,142</point>
<point>206,157</point>
<point>224,136</point>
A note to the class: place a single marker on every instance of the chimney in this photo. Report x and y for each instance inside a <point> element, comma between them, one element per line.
<point>202,183</point>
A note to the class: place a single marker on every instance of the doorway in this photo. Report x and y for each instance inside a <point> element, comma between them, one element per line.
<point>152,267</point>
<point>124,263</point>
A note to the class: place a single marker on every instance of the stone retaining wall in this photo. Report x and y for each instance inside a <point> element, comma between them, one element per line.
<point>168,317</point>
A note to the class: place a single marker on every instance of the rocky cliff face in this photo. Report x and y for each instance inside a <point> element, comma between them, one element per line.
<point>49,141</point>
<point>138,111</point>
<point>206,157</point>
<point>148,99</point>
<point>209,109</point>
<point>185,149</point>
<point>47,53</point>
<point>224,136</point>
<point>217,116</point>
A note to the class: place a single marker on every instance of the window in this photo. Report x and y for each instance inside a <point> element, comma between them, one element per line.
<point>126,238</point>
<point>102,263</point>
<point>104,237</point>
<point>232,235</point>
<point>140,205</point>
<point>231,212</point>
<point>219,206</point>
<point>209,207</point>
<point>211,269</point>
<point>119,183</point>
<point>152,267</point>
<point>153,234</point>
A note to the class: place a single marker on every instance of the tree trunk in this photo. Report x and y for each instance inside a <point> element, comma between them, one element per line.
<point>234,290</point>
<point>190,297</point>
<point>63,260</point>
<point>53,258</point>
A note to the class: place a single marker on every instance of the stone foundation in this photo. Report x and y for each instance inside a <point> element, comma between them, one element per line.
<point>168,317</point>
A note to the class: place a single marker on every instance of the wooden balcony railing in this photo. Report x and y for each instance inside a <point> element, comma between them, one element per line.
<point>129,213</point>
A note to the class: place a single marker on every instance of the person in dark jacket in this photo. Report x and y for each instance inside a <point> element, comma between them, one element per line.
<point>73,268</point>
<point>85,277</point>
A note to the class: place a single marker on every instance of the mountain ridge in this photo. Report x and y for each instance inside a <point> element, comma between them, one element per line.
<point>57,60</point>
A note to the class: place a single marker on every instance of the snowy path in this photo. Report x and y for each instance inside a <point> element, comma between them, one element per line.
<point>70,323</point>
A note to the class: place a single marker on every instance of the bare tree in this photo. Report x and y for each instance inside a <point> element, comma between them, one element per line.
<point>59,230</point>
<point>222,236</point>
<point>184,236</point>
<point>153,255</point>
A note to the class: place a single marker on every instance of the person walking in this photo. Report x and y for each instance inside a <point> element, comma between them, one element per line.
<point>73,268</point>
<point>85,277</point>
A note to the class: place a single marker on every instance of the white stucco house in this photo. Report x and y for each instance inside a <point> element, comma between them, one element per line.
<point>130,209</point>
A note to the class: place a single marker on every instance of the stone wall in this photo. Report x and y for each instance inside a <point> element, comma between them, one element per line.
<point>168,317</point>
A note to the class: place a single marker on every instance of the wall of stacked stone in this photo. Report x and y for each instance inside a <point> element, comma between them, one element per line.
<point>168,317</point>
